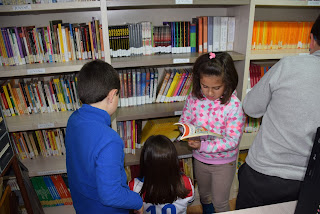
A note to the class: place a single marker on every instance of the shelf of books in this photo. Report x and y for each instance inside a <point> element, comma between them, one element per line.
<point>276,54</point>
<point>290,3</point>
<point>155,3</point>
<point>54,7</point>
<point>59,209</point>
<point>38,121</point>
<point>164,59</point>
<point>41,68</point>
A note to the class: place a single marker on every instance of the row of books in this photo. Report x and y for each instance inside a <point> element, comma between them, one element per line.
<point>268,35</point>
<point>185,166</point>
<point>23,2</point>
<point>214,33</point>
<point>252,124</point>
<point>52,190</point>
<point>57,42</point>
<point>138,86</point>
<point>204,34</point>
<point>59,93</point>
<point>257,71</point>
<point>32,144</point>
<point>130,133</point>
<point>176,85</point>
<point>40,95</point>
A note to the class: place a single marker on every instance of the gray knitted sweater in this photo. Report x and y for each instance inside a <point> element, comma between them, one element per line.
<point>288,98</point>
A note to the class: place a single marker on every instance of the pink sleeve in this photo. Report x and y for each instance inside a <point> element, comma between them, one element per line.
<point>186,116</point>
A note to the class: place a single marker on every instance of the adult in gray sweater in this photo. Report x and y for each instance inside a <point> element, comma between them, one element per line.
<point>288,98</point>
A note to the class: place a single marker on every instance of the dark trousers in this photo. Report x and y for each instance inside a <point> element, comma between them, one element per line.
<point>257,189</point>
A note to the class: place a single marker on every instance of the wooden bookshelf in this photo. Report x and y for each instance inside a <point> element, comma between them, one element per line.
<point>164,59</point>
<point>57,164</point>
<point>245,11</point>
<point>115,4</point>
<point>276,54</point>
<point>45,165</point>
<point>147,111</point>
<point>38,121</point>
<point>41,69</point>
<point>286,3</point>
<point>53,7</point>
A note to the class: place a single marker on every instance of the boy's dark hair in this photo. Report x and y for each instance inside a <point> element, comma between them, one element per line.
<point>222,65</point>
<point>315,30</point>
<point>159,166</point>
<point>95,80</point>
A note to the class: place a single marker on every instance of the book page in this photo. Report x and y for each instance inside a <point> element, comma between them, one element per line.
<point>191,131</point>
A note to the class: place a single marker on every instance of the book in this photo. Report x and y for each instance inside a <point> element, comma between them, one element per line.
<point>163,126</point>
<point>191,131</point>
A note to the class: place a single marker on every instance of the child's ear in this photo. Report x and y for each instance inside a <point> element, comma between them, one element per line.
<point>112,94</point>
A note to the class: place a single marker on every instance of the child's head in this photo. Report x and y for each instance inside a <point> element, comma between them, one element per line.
<point>214,76</point>
<point>315,30</point>
<point>159,166</point>
<point>95,81</point>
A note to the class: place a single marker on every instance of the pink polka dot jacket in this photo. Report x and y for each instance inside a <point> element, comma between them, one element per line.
<point>225,119</point>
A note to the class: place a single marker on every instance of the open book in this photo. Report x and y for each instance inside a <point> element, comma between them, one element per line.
<point>191,131</point>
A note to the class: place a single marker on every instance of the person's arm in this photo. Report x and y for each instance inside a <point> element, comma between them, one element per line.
<point>257,100</point>
<point>111,190</point>
<point>186,116</point>
<point>231,139</point>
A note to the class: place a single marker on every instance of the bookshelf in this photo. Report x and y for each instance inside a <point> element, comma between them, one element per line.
<point>66,6</point>
<point>115,12</point>
<point>163,60</point>
<point>282,10</point>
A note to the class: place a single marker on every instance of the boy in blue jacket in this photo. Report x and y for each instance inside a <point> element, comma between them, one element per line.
<point>94,151</point>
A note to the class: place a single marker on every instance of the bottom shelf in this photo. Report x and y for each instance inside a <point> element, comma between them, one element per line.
<point>65,209</point>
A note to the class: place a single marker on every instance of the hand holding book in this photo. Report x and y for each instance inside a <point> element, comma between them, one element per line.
<point>194,142</point>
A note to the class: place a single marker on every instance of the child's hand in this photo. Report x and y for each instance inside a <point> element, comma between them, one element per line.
<point>140,211</point>
<point>194,143</point>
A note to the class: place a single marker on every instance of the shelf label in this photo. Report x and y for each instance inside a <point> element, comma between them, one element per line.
<point>301,54</point>
<point>177,112</point>
<point>181,60</point>
<point>52,172</point>
<point>185,156</point>
<point>314,2</point>
<point>36,71</point>
<point>45,125</point>
<point>21,7</point>
<point>184,1</point>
